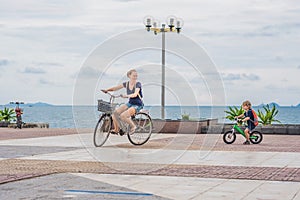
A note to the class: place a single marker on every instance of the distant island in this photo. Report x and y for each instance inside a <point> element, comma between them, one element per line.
<point>37,104</point>
<point>270,104</point>
<point>298,106</point>
<point>277,105</point>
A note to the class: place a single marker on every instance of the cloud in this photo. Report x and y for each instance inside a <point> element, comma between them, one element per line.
<point>3,62</point>
<point>56,36</point>
<point>259,31</point>
<point>251,77</point>
<point>88,73</point>
<point>48,83</point>
<point>34,70</point>
<point>45,82</point>
<point>286,28</point>
<point>125,1</point>
<point>55,83</point>
<point>231,77</point>
<point>243,76</point>
<point>48,64</point>
<point>237,34</point>
<point>281,88</point>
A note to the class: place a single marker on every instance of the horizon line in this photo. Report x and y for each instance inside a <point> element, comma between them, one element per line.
<point>152,105</point>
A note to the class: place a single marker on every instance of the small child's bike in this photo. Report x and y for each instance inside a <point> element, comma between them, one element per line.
<point>230,136</point>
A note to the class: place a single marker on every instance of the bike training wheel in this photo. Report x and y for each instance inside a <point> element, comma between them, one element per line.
<point>229,137</point>
<point>143,130</point>
<point>102,130</point>
<point>256,137</point>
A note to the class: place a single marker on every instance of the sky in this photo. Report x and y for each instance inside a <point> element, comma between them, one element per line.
<point>254,45</point>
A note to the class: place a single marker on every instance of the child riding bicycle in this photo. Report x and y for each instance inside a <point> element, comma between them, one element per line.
<point>249,118</point>
<point>135,104</point>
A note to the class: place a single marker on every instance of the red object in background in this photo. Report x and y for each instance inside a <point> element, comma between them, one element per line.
<point>18,111</point>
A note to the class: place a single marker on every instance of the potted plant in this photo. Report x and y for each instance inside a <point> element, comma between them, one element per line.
<point>6,116</point>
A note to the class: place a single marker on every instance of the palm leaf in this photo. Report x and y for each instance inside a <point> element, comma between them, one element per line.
<point>233,112</point>
<point>269,116</point>
<point>7,114</point>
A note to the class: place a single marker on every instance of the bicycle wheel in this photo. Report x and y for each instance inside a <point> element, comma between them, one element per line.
<point>102,130</point>
<point>143,130</point>
<point>229,137</point>
<point>256,137</point>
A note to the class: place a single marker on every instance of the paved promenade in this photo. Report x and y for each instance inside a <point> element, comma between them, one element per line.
<point>62,164</point>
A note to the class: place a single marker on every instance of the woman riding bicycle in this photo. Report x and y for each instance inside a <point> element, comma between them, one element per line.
<point>135,104</point>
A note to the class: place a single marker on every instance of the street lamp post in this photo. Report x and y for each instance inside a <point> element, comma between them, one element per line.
<point>151,25</point>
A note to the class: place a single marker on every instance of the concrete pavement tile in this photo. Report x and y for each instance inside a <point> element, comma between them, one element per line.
<point>297,196</point>
<point>275,190</point>
<point>178,193</point>
<point>10,133</point>
<point>76,155</point>
<point>203,188</point>
<point>9,151</point>
<point>74,140</point>
<point>230,189</point>
<point>56,141</point>
<point>151,184</point>
<point>66,186</point>
<point>127,180</point>
<point>285,159</point>
<point>217,158</point>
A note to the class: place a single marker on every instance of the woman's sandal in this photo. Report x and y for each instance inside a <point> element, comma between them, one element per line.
<point>114,132</point>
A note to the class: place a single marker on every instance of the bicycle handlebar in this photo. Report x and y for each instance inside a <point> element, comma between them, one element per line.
<point>111,95</point>
<point>237,120</point>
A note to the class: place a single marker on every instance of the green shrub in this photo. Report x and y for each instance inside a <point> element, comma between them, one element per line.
<point>7,115</point>
<point>185,116</point>
<point>269,116</point>
<point>233,112</point>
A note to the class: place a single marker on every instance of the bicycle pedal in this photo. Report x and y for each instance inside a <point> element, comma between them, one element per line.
<point>114,133</point>
<point>121,132</point>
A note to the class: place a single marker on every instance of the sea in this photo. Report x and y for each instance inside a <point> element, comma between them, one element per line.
<point>87,116</point>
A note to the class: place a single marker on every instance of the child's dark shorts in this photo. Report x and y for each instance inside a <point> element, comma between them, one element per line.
<point>250,127</point>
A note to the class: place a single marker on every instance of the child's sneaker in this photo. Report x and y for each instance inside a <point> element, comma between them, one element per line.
<point>246,142</point>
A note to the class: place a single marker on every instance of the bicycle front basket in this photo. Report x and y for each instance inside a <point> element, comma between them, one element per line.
<point>104,106</point>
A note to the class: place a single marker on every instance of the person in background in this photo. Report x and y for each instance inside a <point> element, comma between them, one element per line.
<point>19,113</point>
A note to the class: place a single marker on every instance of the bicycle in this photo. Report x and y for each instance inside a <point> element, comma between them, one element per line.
<point>142,121</point>
<point>230,136</point>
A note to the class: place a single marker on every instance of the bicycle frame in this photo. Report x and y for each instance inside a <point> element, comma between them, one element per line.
<point>124,126</point>
<point>237,128</point>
